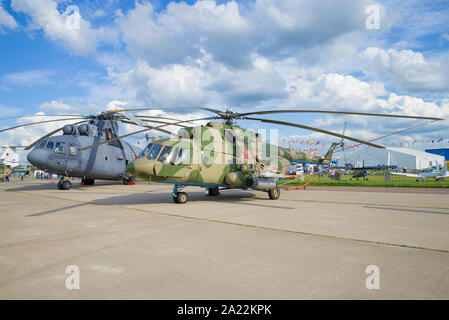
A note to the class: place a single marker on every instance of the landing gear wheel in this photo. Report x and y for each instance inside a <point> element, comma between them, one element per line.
<point>274,193</point>
<point>181,197</point>
<point>65,185</point>
<point>88,181</point>
<point>213,192</point>
<point>60,185</point>
<point>129,181</point>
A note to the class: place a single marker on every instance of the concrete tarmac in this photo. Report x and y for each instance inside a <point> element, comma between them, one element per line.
<point>133,242</point>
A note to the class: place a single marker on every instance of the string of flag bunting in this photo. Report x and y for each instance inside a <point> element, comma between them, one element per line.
<point>305,145</point>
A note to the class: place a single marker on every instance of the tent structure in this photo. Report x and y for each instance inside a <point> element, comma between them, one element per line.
<point>402,157</point>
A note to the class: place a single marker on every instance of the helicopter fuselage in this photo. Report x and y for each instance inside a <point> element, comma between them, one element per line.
<point>61,155</point>
<point>217,156</point>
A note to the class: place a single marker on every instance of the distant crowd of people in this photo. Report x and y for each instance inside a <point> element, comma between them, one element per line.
<point>43,175</point>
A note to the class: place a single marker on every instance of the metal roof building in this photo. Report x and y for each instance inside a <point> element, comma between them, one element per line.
<point>401,157</point>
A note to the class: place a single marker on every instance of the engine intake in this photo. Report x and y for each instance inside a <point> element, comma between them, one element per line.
<point>83,129</point>
<point>69,129</point>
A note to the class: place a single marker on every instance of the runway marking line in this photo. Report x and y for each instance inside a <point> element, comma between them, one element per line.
<point>366,204</point>
<point>401,245</point>
<point>374,199</point>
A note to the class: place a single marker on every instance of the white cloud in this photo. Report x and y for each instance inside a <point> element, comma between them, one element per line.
<point>407,70</point>
<point>46,16</point>
<point>334,91</point>
<point>8,111</point>
<point>56,106</point>
<point>231,32</point>
<point>6,20</point>
<point>204,82</point>
<point>26,135</point>
<point>28,78</point>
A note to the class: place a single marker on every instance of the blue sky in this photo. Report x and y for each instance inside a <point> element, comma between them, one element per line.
<point>244,55</point>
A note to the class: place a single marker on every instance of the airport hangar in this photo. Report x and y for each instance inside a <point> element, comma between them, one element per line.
<point>402,157</point>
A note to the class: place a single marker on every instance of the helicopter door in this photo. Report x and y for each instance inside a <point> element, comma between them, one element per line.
<point>73,162</point>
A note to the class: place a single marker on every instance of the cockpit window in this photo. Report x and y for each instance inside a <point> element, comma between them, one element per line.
<point>154,151</point>
<point>41,144</point>
<point>59,147</point>
<point>145,151</point>
<point>165,155</point>
<point>50,145</point>
<point>178,156</point>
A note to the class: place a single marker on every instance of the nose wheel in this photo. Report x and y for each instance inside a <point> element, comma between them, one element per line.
<point>179,196</point>
<point>64,184</point>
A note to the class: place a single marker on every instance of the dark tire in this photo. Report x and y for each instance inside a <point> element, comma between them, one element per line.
<point>129,181</point>
<point>181,197</point>
<point>66,185</point>
<point>60,185</point>
<point>89,182</point>
<point>274,193</point>
<point>213,192</point>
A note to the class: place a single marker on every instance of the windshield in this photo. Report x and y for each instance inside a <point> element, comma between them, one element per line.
<point>50,145</point>
<point>145,151</point>
<point>41,144</point>
<point>154,151</point>
<point>165,155</point>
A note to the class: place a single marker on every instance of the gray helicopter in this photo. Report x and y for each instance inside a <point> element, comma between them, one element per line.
<point>89,149</point>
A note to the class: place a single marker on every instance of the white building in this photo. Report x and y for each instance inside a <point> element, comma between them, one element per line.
<point>401,157</point>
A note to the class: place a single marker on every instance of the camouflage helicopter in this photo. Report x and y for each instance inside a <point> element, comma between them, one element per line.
<point>64,154</point>
<point>222,155</point>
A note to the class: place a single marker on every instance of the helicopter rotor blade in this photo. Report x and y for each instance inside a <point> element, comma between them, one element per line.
<point>33,123</point>
<point>48,135</point>
<point>42,115</point>
<point>162,118</point>
<point>124,136</point>
<point>132,118</point>
<point>147,128</point>
<point>317,130</point>
<point>164,122</point>
<point>387,135</point>
<point>157,121</point>
<point>337,112</point>
<point>172,108</point>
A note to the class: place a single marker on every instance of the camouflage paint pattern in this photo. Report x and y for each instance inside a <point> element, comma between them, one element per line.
<point>217,155</point>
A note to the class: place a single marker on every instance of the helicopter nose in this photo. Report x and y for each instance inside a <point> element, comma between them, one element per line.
<point>37,158</point>
<point>141,167</point>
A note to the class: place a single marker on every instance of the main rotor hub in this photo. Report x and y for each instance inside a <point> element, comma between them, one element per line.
<point>229,117</point>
